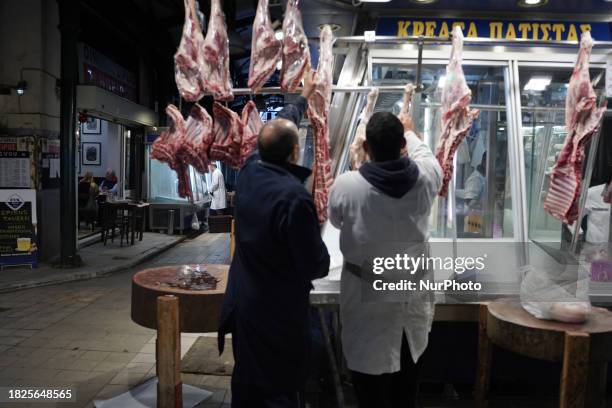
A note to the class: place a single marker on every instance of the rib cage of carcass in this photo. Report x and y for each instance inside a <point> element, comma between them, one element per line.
<point>215,66</point>
<point>318,113</point>
<point>582,120</point>
<point>296,55</point>
<point>358,154</point>
<point>266,50</point>
<point>457,117</point>
<point>189,56</point>
<point>199,139</point>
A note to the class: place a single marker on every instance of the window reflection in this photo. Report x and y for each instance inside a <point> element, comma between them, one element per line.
<point>483,200</point>
<point>544,132</point>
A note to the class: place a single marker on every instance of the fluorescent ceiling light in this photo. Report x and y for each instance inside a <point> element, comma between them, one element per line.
<point>423,1</point>
<point>531,3</point>
<point>499,48</point>
<point>333,26</point>
<point>537,83</point>
<point>375,1</point>
<point>442,81</point>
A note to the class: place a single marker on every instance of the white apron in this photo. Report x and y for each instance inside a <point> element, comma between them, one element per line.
<point>217,189</point>
<point>372,331</point>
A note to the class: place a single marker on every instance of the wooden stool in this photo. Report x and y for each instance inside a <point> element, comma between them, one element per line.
<point>584,349</point>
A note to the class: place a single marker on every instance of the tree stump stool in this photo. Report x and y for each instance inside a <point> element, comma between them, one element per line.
<point>584,349</point>
<point>170,311</point>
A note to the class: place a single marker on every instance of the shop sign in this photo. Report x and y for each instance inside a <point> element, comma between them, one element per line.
<point>18,243</point>
<point>495,29</point>
<point>99,70</point>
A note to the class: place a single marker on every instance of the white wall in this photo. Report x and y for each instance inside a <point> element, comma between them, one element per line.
<point>110,144</point>
<point>35,44</point>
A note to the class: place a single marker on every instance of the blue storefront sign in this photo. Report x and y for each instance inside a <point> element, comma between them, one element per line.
<point>493,28</point>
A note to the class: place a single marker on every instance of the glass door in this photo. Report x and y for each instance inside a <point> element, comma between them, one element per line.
<point>543,91</point>
<point>482,160</point>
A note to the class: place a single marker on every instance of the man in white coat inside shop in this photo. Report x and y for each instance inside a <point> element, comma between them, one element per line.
<point>381,209</point>
<point>217,190</point>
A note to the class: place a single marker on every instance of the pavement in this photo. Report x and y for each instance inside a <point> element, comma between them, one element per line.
<point>99,260</point>
<point>80,335</point>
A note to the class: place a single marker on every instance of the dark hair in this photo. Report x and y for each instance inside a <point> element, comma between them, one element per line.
<point>276,144</point>
<point>385,136</point>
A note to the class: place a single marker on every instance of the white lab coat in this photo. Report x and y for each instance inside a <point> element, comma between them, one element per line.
<point>372,331</point>
<point>474,186</point>
<point>598,216</point>
<point>217,189</point>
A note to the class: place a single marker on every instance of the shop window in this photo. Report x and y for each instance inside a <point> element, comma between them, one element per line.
<point>543,92</point>
<point>482,158</point>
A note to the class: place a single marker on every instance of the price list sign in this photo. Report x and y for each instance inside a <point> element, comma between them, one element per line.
<point>14,163</point>
<point>18,227</point>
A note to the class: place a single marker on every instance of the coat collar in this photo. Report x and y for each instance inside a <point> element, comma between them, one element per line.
<point>299,172</point>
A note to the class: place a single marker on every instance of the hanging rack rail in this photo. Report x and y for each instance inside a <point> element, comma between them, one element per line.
<point>467,40</point>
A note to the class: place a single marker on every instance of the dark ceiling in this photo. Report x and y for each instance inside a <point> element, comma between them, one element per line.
<point>594,7</point>
<point>132,31</point>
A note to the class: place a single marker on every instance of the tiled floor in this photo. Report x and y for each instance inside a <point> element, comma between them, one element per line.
<point>80,334</point>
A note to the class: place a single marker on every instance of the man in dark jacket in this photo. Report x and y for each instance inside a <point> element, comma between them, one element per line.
<point>279,251</point>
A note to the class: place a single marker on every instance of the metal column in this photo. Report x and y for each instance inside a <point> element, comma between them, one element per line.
<point>69,25</point>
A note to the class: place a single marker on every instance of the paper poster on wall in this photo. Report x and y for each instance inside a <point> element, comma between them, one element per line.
<point>18,227</point>
<point>14,163</point>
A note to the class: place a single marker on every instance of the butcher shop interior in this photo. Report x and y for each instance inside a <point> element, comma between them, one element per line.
<point>306,203</point>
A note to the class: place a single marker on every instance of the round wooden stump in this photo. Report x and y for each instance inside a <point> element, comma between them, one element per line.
<point>584,349</point>
<point>199,310</point>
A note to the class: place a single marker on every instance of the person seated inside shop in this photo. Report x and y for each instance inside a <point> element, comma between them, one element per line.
<point>279,251</point>
<point>87,192</point>
<point>387,201</point>
<point>110,183</point>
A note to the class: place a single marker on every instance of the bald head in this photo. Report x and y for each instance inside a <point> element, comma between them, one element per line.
<point>277,141</point>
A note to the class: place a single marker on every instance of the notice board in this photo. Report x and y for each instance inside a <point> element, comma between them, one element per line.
<point>18,226</point>
<point>15,158</point>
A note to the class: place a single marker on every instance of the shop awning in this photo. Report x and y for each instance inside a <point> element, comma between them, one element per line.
<point>108,106</point>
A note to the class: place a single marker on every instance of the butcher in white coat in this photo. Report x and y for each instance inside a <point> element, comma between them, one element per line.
<point>217,190</point>
<point>384,206</point>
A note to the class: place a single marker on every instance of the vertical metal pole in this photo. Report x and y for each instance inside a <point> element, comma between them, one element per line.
<point>69,26</point>
<point>419,85</point>
<point>586,181</point>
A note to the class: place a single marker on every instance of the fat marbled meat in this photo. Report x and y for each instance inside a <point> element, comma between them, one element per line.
<point>189,56</point>
<point>582,120</point>
<point>215,73</point>
<point>165,149</point>
<point>318,112</point>
<point>296,55</point>
<point>357,152</point>
<point>457,118</point>
<point>227,133</point>
<point>266,50</point>
<point>198,139</point>
<point>251,125</point>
